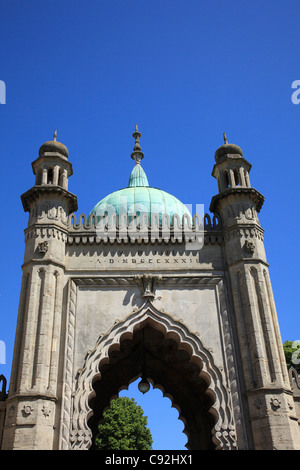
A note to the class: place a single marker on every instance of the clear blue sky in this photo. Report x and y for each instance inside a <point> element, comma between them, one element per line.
<point>185,71</point>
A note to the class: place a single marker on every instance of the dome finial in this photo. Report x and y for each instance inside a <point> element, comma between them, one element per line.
<point>137,154</point>
<point>225,138</point>
<point>55,135</point>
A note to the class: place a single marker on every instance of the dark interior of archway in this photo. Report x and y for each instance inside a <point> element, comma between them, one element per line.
<point>168,366</point>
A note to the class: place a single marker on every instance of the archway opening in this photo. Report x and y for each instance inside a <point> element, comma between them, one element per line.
<point>169,366</point>
<point>164,421</point>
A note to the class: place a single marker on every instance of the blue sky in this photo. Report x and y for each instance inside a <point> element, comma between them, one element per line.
<point>185,71</point>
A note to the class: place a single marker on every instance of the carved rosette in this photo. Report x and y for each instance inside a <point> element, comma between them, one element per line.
<point>223,432</point>
<point>43,247</point>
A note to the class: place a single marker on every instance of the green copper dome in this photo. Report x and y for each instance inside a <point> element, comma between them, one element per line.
<point>139,198</point>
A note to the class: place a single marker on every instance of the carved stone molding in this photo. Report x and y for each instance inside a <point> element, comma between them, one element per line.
<point>147,280</point>
<point>68,368</point>
<point>245,232</point>
<point>105,281</point>
<point>242,211</point>
<point>36,193</point>
<point>90,238</point>
<point>189,281</point>
<point>236,192</point>
<point>45,232</point>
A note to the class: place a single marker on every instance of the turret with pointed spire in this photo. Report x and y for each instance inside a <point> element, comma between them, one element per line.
<point>49,204</point>
<point>237,205</point>
<point>232,173</point>
<point>50,193</point>
<point>52,168</point>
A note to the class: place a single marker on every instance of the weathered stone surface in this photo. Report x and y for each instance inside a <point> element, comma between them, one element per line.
<point>205,317</point>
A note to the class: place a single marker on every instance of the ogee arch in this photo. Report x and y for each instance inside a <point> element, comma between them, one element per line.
<point>223,431</point>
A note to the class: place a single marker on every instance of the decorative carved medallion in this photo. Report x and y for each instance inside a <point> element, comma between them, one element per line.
<point>249,247</point>
<point>43,247</point>
<point>27,410</point>
<point>275,403</point>
<point>46,411</point>
<point>258,403</point>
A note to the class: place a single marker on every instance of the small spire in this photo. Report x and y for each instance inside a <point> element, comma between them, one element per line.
<point>55,135</point>
<point>136,135</point>
<point>137,154</point>
<point>225,138</point>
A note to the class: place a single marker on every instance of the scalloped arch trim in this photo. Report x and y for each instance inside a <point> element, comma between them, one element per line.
<point>223,432</point>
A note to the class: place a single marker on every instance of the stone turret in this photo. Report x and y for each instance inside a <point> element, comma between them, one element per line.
<point>266,383</point>
<point>52,170</point>
<point>237,205</point>
<point>49,201</point>
<point>34,381</point>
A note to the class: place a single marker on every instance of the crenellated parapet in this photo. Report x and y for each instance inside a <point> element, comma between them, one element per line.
<point>90,229</point>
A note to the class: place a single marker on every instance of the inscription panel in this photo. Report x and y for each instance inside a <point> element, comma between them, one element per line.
<point>91,258</point>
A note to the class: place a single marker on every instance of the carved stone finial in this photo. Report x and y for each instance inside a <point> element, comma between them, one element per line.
<point>225,138</point>
<point>136,135</point>
<point>147,285</point>
<point>137,153</point>
<point>55,135</point>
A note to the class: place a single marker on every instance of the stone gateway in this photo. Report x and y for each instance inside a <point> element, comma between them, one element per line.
<point>141,288</point>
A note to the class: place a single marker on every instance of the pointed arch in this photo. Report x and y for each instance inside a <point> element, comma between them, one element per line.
<point>223,431</point>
